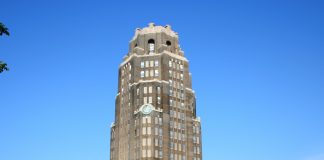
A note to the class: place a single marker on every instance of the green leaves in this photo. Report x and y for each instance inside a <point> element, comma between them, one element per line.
<point>3,67</point>
<point>3,30</point>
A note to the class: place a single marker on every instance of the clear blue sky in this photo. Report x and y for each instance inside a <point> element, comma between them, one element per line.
<point>257,66</point>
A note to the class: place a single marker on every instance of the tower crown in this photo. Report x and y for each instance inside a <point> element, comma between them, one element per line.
<point>152,28</point>
<point>154,40</point>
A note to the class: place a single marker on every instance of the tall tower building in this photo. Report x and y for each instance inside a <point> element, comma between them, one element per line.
<point>155,116</point>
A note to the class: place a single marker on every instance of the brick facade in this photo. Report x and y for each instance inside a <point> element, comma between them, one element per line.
<point>155,116</point>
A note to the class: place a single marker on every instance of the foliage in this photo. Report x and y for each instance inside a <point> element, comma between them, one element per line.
<point>3,67</point>
<point>3,30</point>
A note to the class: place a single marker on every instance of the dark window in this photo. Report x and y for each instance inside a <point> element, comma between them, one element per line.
<point>151,41</point>
<point>168,43</point>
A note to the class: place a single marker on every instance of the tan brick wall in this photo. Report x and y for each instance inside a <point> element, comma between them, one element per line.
<point>129,135</point>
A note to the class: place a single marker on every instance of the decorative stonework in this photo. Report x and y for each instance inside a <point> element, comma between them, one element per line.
<point>152,29</point>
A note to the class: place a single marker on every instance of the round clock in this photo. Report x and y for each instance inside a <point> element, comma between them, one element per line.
<point>147,108</point>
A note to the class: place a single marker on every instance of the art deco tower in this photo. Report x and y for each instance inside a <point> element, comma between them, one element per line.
<point>155,115</point>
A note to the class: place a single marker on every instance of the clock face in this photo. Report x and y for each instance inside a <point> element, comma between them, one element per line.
<point>147,108</point>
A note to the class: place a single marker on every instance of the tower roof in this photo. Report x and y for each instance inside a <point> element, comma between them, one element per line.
<point>152,28</point>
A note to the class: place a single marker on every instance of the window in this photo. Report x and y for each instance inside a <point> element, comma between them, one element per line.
<point>183,126</point>
<point>156,63</point>
<point>148,141</point>
<point>170,64</point>
<point>183,138</point>
<point>170,73</point>
<point>159,100</point>
<point>181,76</point>
<point>143,152</point>
<point>156,73</point>
<point>147,63</point>
<point>156,120</point>
<point>149,153</point>
<point>142,64</point>
<point>151,45</point>
<point>156,154</point>
<point>146,73</point>
<point>145,100</point>
<point>156,142</point>
<point>181,67</point>
<point>171,114</point>
<point>144,132</point>
<point>142,74</point>
<point>156,131</point>
<point>182,116</point>
<point>150,89</point>
<point>158,90</point>
<point>168,43</point>
<point>145,90</point>
<point>151,73</point>
<point>151,63</point>
<point>151,48</point>
<point>150,100</point>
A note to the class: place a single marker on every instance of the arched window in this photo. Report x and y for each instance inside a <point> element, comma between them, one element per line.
<point>151,44</point>
<point>168,43</point>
